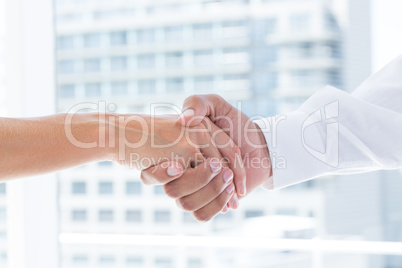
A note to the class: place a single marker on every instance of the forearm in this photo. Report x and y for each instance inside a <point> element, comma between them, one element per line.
<point>39,145</point>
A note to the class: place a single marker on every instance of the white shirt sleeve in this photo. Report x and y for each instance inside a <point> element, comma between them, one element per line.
<point>335,132</point>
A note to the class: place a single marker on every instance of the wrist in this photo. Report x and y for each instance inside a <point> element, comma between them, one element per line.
<point>264,151</point>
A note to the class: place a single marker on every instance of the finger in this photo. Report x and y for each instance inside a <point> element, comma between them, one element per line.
<point>208,193</point>
<point>162,173</point>
<point>193,179</point>
<point>207,212</point>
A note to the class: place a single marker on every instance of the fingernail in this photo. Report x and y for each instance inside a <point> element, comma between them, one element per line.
<point>228,175</point>
<point>186,113</point>
<point>225,209</point>
<point>215,165</point>
<point>230,188</point>
<point>242,190</point>
<point>235,203</point>
<point>174,170</point>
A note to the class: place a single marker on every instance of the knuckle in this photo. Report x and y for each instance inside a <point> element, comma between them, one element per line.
<point>171,190</point>
<point>201,216</point>
<point>184,204</point>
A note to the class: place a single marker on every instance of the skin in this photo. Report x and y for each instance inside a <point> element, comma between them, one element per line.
<point>251,144</point>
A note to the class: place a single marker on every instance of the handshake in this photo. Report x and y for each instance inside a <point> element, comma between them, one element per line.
<point>206,159</point>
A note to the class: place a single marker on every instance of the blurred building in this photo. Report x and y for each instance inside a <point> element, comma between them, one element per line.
<point>270,55</point>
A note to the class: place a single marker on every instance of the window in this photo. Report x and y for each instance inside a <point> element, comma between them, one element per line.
<point>302,50</point>
<point>3,215</point>
<point>133,188</point>
<point>118,63</point>
<point>235,56</point>
<point>66,66</point>
<point>174,34</point>
<point>106,259</point>
<point>271,26</point>
<point>146,87</point>
<point>253,213</point>
<point>134,216</point>
<point>2,188</point>
<point>300,22</point>
<point>145,36</point>
<point>92,90</point>
<point>146,61</point>
<point>65,42</point>
<point>162,216</point>
<point>194,263</point>
<point>202,31</point>
<point>204,58</point>
<point>104,164</point>
<point>174,85</point>
<point>163,263</point>
<point>105,188</point>
<point>236,82</point>
<point>158,190</point>
<point>334,78</point>
<point>134,261</point>
<point>204,83</point>
<point>79,188</point>
<point>92,40</point>
<point>303,78</point>
<point>118,38</point>
<point>234,29</point>
<point>79,215</point>
<point>119,88</point>
<point>287,211</point>
<point>67,91</point>
<point>92,65</point>
<point>80,259</point>
<point>188,218</point>
<point>106,215</point>
<point>174,60</point>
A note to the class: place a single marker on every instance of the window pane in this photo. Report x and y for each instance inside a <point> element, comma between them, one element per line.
<point>253,213</point>
<point>65,42</point>
<point>2,214</point>
<point>118,38</point>
<point>145,36</point>
<point>300,22</point>
<point>133,188</point>
<point>105,188</point>
<point>146,61</point>
<point>79,215</point>
<point>174,85</point>
<point>119,89</point>
<point>106,215</point>
<point>106,259</point>
<point>173,34</point>
<point>202,31</point>
<point>66,66</point>
<point>67,91</point>
<point>204,83</point>
<point>92,40</point>
<point>174,60</point>
<point>163,263</point>
<point>203,58</point>
<point>146,87</point>
<point>2,188</point>
<point>92,90</point>
<point>80,259</point>
<point>92,65</point>
<point>118,63</point>
<point>79,188</point>
<point>158,190</point>
<point>162,216</point>
<point>134,261</point>
<point>134,216</point>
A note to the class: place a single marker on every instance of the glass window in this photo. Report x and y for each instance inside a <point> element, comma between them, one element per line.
<point>67,91</point>
<point>146,61</point>
<point>106,215</point>
<point>174,85</point>
<point>146,87</point>
<point>65,42</point>
<point>79,215</point>
<point>92,90</point>
<point>79,188</point>
<point>253,213</point>
<point>303,78</point>
<point>334,78</point>
<point>92,65</point>
<point>158,190</point>
<point>195,263</point>
<point>105,188</point>
<point>235,56</point>
<point>203,31</point>
<point>133,261</point>
<point>236,82</point>
<point>2,188</point>
<point>133,188</point>
<point>80,259</point>
<point>287,211</point>
<point>134,216</point>
<point>173,34</point>
<point>300,22</point>
<point>118,38</point>
<point>163,263</point>
<point>234,29</point>
<point>174,60</point>
<point>145,36</point>
<point>118,63</point>
<point>3,214</point>
<point>204,58</point>
<point>162,216</point>
<point>104,164</point>
<point>204,83</point>
<point>92,40</point>
<point>271,26</point>
<point>119,88</point>
<point>106,259</point>
<point>66,66</point>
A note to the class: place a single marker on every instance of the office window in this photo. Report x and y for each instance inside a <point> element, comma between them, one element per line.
<point>118,38</point>
<point>174,85</point>
<point>80,259</point>
<point>162,216</point>
<point>204,84</point>
<point>174,60</point>
<point>188,218</point>
<point>3,236</point>
<point>106,215</point>
<point>236,82</point>
<point>79,215</point>
<point>145,36</point>
<point>133,188</point>
<point>134,216</point>
<point>163,263</point>
<point>79,188</point>
<point>271,26</point>
<point>158,190</point>
<point>65,42</point>
<point>92,40</point>
<point>2,188</point>
<point>66,66</point>
<point>67,91</point>
<point>92,65</point>
<point>202,31</point>
<point>287,211</point>
<point>194,263</point>
<point>174,34</point>
<point>92,90</point>
<point>3,215</point>
<point>332,50</point>
<point>146,87</point>
<point>133,261</point>
<point>105,188</point>
<point>118,63</point>
<point>106,259</point>
<point>235,56</point>
<point>234,29</point>
<point>300,22</point>
<point>302,50</point>
<point>253,213</point>
<point>303,78</point>
<point>146,61</point>
<point>104,164</point>
<point>119,88</point>
<point>334,78</point>
<point>204,58</point>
